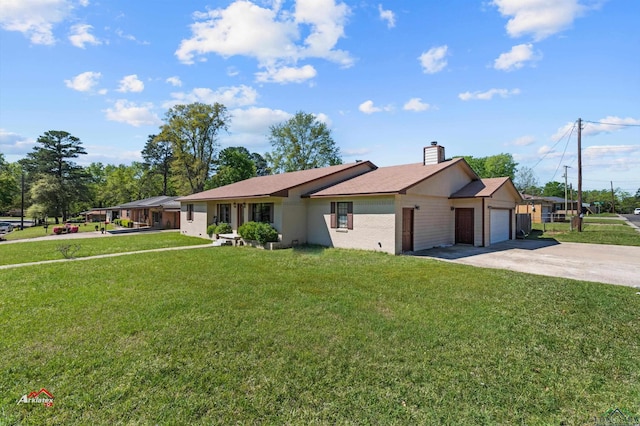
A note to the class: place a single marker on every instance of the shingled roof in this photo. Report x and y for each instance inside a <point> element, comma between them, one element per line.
<point>271,185</point>
<point>161,201</point>
<point>484,188</point>
<point>389,180</point>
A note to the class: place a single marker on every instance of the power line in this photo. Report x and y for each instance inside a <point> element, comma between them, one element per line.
<point>554,145</point>
<point>611,124</point>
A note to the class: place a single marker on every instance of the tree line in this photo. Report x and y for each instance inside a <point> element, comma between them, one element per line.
<point>182,158</point>
<point>185,157</point>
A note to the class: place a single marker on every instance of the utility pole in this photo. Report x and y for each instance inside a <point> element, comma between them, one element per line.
<point>579,174</point>
<point>22,200</point>
<point>565,190</point>
<point>613,200</point>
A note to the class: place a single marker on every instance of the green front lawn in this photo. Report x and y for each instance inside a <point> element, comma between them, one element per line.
<point>40,231</point>
<point>594,231</point>
<point>34,251</point>
<point>234,335</point>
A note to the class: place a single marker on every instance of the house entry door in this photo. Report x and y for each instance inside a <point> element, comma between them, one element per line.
<point>407,230</point>
<point>464,226</point>
<point>240,214</point>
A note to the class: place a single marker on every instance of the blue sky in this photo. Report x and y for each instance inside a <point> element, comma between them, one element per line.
<point>480,77</point>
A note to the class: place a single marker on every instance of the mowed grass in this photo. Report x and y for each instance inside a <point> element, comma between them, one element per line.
<point>34,251</point>
<point>234,335</point>
<point>594,231</point>
<point>39,231</point>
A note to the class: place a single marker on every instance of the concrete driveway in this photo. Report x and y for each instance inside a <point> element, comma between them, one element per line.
<point>610,264</point>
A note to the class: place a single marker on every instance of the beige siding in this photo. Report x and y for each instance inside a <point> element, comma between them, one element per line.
<point>198,226</point>
<point>373,224</point>
<point>442,184</point>
<point>433,221</point>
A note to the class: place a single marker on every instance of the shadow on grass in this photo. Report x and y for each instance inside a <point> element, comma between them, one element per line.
<point>309,249</point>
<point>532,242</point>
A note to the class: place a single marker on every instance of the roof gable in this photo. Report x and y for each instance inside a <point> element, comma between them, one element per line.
<point>483,188</point>
<point>272,185</point>
<point>146,203</point>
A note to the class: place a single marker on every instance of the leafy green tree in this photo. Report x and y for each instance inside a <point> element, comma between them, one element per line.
<point>301,143</point>
<point>158,156</point>
<point>553,189</point>
<point>121,185</point>
<point>9,187</point>
<point>500,165</point>
<point>193,131</point>
<point>36,212</point>
<point>234,164</point>
<point>262,167</point>
<point>60,181</point>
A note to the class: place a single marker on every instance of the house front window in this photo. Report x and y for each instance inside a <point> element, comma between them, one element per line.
<point>189,212</point>
<point>224,213</point>
<point>261,212</point>
<point>342,215</point>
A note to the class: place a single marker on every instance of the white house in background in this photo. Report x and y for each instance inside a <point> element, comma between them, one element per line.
<point>359,205</point>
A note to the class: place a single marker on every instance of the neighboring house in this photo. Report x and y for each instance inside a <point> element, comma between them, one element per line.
<point>95,215</point>
<point>155,212</point>
<point>546,209</point>
<point>359,205</point>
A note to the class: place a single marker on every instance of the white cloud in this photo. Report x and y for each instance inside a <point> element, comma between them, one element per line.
<point>131,83</point>
<point>608,124</point>
<point>488,95</point>
<point>549,152</point>
<point>250,127</point>
<point>286,75</point>
<point>597,151</point>
<point>34,18</point>
<point>388,16</point>
<point>433,60</point>
<point>130,37</point>
<point>523,141</point>
<point>14,144</point>
<point>234,96</point>
<point>540,18</point>
<point>133,114</point>
<point>416,104</point>
<point>271,36</point>
<point>174,81</point>
<point>84,82</point>
<point>516,57</point>
<point>368,107</point>
<point>80,36</point>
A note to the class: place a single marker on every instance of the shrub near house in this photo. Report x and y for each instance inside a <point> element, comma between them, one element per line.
<point>258,231</point>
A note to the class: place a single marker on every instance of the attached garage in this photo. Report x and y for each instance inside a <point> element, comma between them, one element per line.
<point>500,225</point>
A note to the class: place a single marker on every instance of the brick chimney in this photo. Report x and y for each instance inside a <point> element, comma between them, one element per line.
<point>433,154</point>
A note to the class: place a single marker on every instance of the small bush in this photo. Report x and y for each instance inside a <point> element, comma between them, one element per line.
<point>258,231</point>
<point>223,228</point>
<point>68,250</point>
<point>211,229</point>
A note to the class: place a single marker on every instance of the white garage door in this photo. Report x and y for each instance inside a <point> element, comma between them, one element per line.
<point>500,229</point>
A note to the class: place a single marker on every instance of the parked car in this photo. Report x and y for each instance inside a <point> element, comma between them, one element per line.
<point>5,227</point>
<point>637,210</point>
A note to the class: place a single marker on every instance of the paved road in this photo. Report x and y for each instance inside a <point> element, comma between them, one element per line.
<point>610,264</point>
